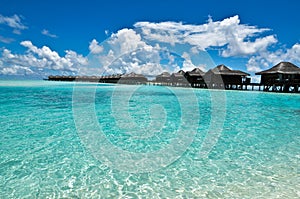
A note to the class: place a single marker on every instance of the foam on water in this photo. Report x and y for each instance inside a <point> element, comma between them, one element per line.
<point>42,155</point>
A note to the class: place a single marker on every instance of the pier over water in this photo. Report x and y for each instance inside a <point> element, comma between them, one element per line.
<point>283,77</point>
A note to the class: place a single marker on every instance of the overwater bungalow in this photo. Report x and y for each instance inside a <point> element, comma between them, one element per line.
<point>223,77</point>
<point>195,78</point>
<point>163,79</point>
<point>133,78</point>
<point>283,77</point>
<point>178,79</point>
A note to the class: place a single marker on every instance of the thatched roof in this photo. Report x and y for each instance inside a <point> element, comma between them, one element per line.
<point>281,68</point>
<point>164,74</point>
<point>224,70</point>
<point>178,74</point>
<point>195,72</point>
<point>181,72</point>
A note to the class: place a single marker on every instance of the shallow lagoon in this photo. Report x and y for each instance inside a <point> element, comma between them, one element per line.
<point>45,154</point>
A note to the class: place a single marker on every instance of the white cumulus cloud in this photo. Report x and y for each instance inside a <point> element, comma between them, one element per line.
<point>40,61</point>
<point>267,59</point>
<point>126,40</point>
<point>94,47</point>
<point>126,52</point>
<point>232,37</point>
<point>145,61</point>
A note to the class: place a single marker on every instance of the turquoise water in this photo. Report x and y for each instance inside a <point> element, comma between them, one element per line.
<point>231,144</point>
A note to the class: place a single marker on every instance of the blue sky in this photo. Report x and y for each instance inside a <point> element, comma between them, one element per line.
<point>57,37</point>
